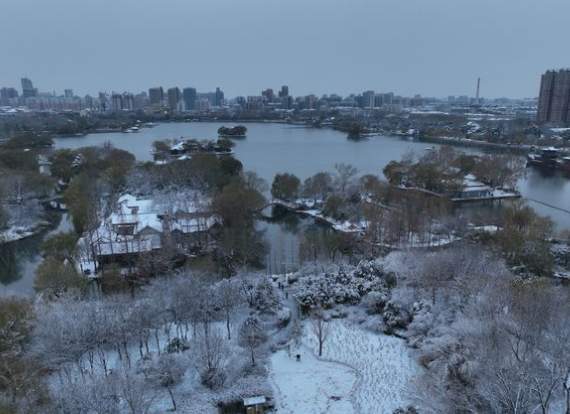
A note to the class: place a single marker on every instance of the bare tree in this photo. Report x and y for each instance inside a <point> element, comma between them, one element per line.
<point>91,394</point>
<point>211,358</point>
<point>252,335</point>
<point>248,291</point>
<point>134,391</point>
<point>320,328</point>
<point>255,182</point>
<point>228,298</point>
<point>545,382</point>
<point>345,174</point>
<point>167,372</point>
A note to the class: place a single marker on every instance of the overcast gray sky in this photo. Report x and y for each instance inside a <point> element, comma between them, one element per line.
<point>431,47</point>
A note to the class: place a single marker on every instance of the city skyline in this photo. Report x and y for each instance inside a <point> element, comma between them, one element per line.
<point>436,49</point>
<point>69,92</point>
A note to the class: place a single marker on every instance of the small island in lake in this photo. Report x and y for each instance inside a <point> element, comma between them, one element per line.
<point>169,150</point>
<point>238,131</point>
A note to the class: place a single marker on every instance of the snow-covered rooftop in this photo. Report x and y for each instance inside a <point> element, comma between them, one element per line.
<point>254,401</point>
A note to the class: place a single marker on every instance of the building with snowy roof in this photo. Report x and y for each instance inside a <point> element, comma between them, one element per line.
<point>473,189</point>
<point>142,225</point>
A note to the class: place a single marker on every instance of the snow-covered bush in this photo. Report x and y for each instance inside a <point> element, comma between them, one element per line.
<point>375,301</point>
<point>395,317</point>
<point>374,269</point>
<point>422,323</point>
<point>265,298</point>
<point>343,285</point>
<point>177,345</point>
<point>213,378</point>
<point>284,316</point>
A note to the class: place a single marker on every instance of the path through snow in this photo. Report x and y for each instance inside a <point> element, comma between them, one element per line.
<point>384,365</point>
<point>310,386</point>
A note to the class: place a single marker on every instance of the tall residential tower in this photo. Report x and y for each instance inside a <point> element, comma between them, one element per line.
<point>554,99</point>
<point>156,96</point>
<point>28,90</point>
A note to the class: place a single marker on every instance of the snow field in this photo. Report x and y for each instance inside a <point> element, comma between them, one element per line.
<point>383,363</point>
<point>311,386</point>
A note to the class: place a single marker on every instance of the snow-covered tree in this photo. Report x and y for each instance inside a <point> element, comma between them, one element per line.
<point>167,371</point>
<point>252,335</point>
<point>228,298</point>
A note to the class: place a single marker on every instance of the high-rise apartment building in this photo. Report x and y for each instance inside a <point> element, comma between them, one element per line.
<point>128,102</point>
<point>156,95</point>
<point>104,102</point>
<point>310,102</point>
<point>284,92</point>
<point>219,97</point>
<point>116,102</point>
<point>554,99</point>
<point>7,94</point>
<point>368,99</point>
<point>141,100</point>
<point>189,98</point>
<point>89,102</point>
<point>28,90</point>
<point>174,98</point>
<point>268,94</point>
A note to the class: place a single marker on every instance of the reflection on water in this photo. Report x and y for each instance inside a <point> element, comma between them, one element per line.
<point>270,149</point>
<point>553,189</point>
<point>20,259</point>
<point>274,148</point>
<point>285,233</point>
<point>10,262</point>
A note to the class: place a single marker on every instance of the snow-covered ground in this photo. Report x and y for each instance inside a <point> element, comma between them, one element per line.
<point>360,372</point>
<point>16,233</point>
<point>191,396</point>
<point>383,363</point>
<point>311,386</point>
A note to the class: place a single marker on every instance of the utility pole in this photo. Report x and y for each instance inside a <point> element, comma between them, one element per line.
<point>477,102</point>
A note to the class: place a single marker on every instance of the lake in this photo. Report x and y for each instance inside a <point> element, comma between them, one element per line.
<point>267,150</point>
<point>274,148</point>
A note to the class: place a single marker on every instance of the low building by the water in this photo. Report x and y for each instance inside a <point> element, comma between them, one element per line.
<point>472,188</point>
<point>140,226</point>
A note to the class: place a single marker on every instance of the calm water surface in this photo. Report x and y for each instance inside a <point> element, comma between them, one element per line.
<point>273,148</point>
<point>267,150</point>
<point>20,259</point>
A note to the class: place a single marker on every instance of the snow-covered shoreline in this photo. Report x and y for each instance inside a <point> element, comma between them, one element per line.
<point>17,233</point>
<point>349,227</point>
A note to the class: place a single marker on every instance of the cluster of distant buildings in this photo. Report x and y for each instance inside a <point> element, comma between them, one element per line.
<point>33,99</point>
<point>176,100</point>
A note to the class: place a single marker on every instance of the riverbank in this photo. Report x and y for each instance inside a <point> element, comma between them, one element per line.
<point>358,229</point>
<point>16,233</point>
<point>19,259</point>
<point>475,143</point>
<point>276,146</point>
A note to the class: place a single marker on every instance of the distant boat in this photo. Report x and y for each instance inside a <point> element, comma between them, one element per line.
<point>132,130</point>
